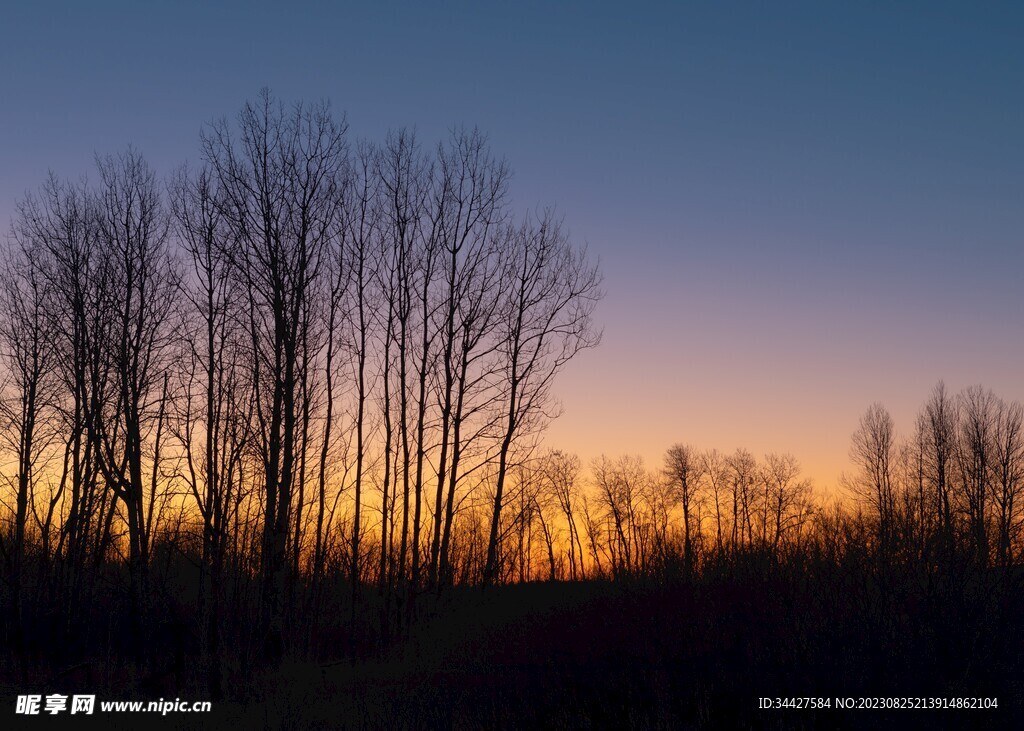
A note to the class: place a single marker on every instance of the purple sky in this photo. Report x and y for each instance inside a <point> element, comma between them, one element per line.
<point>799,209</point>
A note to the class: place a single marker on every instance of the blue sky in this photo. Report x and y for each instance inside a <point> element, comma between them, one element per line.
<point>801,208</point>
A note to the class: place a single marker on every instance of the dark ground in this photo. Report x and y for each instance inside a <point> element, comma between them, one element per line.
<point>642,654</point>
<point>682,655</point>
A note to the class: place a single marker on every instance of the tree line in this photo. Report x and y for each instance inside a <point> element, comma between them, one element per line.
<point>951,490</point>
<point>947,495</point>
<point>299,363</point>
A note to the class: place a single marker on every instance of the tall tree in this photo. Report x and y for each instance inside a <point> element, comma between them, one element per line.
<point>133,229</point>
<point>63,221</point>
<point>551,292</point>
<point>26,418</point>
<point>361,231</point>
<point>469,198</point>
<point>214,414</point>
<point>403,175</point>
<point>282,180</point>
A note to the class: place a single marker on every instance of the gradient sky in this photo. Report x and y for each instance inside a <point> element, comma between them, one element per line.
<point>799,209</point>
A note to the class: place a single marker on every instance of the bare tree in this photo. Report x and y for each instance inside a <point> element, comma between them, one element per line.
<point>214,412</point>
<point>1008,458</point>
<point>785,498</point>
<point>683,469</point>
<point>625,491</point>
<point>403,174</point>
<point>468,207</point>
<point>426,304</point>
<point>338,275</point>
<point>63,221</point>
<point>26,418</point>
<point>552,291</point>
<point>937,427</point>
<point>282,181</point>
<point>979,411</point>
<point>742,472</point>
<point>715,471</point>
<point>560,475</point>
<point>133,229</point>
<point>873,450</point>
<point>917,517</point>
<point>361,223</point>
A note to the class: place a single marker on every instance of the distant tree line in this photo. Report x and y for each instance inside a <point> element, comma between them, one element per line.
<point>951,490</point>
<point>624,519</point>
<point>947,495</point>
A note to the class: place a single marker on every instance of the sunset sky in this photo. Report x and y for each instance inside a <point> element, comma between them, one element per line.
<point>799,210</point>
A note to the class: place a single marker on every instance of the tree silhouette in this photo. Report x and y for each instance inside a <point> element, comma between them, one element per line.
<point>293,403</point>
